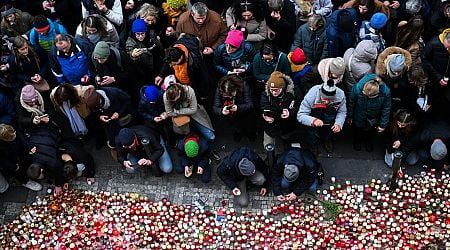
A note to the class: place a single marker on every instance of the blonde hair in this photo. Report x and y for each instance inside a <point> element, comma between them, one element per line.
<point>371,88</point>
<point>147,10</point>
<point>7,132</point>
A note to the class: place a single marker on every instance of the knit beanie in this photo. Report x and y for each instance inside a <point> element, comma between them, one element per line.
<point>139,25</point>
<point>378,21</point>
<point>291,172</point>
<point>29,94</point>
<point>298,56</point>
<point>191,148</point>
<point>126,137</point>
<point>246,167</point>
<point>176,4</point>
<point>276,80</point>
<point>337,66</point>
<point>438,150</point>
<point>235,38</point>
<point>91,98</point>
<point>101,50</point>
<point>41,23</point>
<point>396,63</point>
<point>328,90</point>
<point>151,93</point>
<point>8,12</point>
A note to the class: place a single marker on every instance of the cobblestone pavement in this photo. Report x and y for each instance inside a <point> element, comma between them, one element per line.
<point>359,167</point>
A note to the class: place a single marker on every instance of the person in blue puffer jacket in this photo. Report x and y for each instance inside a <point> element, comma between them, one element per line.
<point>341,31</point>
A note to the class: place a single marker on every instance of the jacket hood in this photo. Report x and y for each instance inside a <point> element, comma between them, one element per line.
<point>324,68</point>
<point>289,88</point>
<point>365,51</point>
<point>381,68</point>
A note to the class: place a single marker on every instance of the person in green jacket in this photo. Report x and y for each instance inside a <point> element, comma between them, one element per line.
<point>268,60</point>
<point>369,108</point>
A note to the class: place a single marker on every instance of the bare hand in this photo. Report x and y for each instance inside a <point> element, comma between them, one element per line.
<point>164,115</point>
<point>144,162</point>
<point>208,51</point>
<point>104,118</point>
<point>107,80</point>
<point>395,5</point>
<point>137,52</point>
<point>380,129</point>
<point>285,114</point>
<point>127,164</point>
<point>336,128</point>
<point>275,15</point>
<point>129,5</point>
<point>317,123</point>
<point>36,119</point>
<point>268,119</point>
<point>281,198</point>
<point>115,116</point>
<point>158,80</point>
<point>234,108</point>
<point>187,171</point>
<point>45,119</point>
<point>32,151</point>
<point>236,192</point>
<point>157,119</point>
<point>291,197</point>
<point>263,191</point>
<point>101,6</point>
<point>199,170</point>
<point>170,31</point>
<point>443,82</point>
<point>396,144</point>
<point>386,3</point>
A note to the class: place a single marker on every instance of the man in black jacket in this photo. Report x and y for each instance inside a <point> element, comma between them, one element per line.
<point>436,60</point>
<point>185,53</point>
<point>294,172</point>
<point>138,146</point>
<point>240,166</point>
<point>429,145</point>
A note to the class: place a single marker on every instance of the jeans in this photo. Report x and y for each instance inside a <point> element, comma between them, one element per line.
<point>164,162</point>
<point>205,132</point>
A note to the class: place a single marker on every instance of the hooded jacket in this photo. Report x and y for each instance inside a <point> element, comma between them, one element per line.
<point>228,171</point>
<point>45,42</point>
<point>359,61</point>
<point>314,44</point>
<point>257,31</point>
<point>19,28</point>
<point>112,38</point>
<point>307,166</point>
<point>436,58</point>
<point>212,32</point>
<point>362,108</point>
<point>382,62</point>
<point>339,42</point>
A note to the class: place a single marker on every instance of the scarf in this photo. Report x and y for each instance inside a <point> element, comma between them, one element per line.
<point>105,97</point>
<point>38,111</point>
<point>94,38</point>
<point>76,122</point>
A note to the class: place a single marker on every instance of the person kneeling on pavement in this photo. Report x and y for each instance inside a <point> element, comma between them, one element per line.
<point>294,173</point>
<point>139,146</point>
<point>240,166</point>
<point>194,152</point>
<point>323,111</point>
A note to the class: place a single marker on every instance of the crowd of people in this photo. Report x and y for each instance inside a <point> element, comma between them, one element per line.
<point>144,76</point>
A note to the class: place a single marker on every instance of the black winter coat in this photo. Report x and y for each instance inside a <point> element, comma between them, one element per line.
<point>307,166</point>
<point>228,171</point>
<point>120,102</point>
<point>243,101</point>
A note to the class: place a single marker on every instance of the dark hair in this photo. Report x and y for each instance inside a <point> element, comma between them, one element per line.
<point>173,54</point>
<point>409,33</point>
<point>17,43</point>
<point>174,91</point>
<point>34,170</point>
<point>61,37</point>
<point>403,116</point>
<point>269,48</point>
<point>70,169</point>
<point>95,22</point>
<point>254,6</point>
<point>66,92</point>
<point>229,84</point>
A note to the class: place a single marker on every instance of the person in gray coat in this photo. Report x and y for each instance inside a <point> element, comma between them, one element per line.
<point>359,61</point>
<point>311,38</point>
<point>323,112</point>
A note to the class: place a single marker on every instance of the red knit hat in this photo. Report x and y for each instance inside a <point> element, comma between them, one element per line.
<point>298,56</point>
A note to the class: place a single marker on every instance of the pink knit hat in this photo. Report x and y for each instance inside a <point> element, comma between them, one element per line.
<point>29,94</point>
<point>235,38</point>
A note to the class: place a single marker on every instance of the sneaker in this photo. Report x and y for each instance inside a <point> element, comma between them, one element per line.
<point>328,145</point>
<point>32,185</point>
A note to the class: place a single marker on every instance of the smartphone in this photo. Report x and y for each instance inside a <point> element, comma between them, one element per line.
<point>229,107</point>
<point>270,113</point>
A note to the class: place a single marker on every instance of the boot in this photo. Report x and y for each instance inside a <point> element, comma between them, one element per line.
<point>113,151</point>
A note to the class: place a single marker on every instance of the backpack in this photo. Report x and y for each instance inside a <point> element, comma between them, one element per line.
<point>36,34</point>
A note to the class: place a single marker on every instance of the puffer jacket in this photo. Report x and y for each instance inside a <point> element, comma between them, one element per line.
<point>288,99</point>
<point>362,108</point>
<point>307,166</point>
<point>338,41</point>
<point>242,58</point>
<point>359,61</point>
<point>257,31</point>
<point>314,44</point>
<point>263,69</point>
<point>381,66</point>
<point>436,59</point>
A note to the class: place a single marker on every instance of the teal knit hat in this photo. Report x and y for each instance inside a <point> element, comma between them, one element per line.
<point>101,50</point>
<point>191,148</point>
